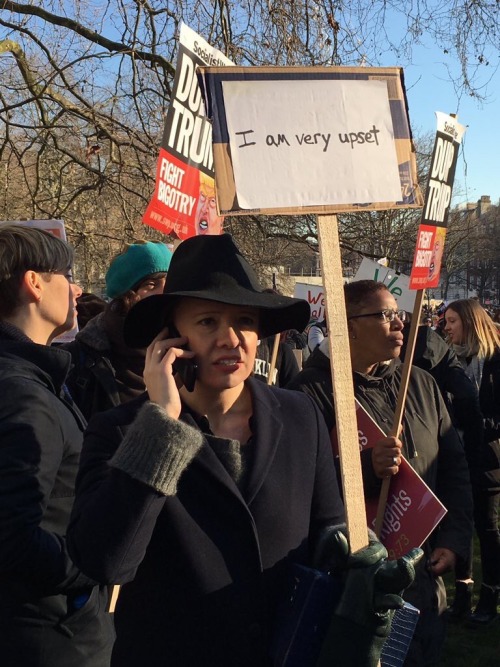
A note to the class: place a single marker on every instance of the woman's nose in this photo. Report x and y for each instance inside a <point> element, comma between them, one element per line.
<point>229,336</point>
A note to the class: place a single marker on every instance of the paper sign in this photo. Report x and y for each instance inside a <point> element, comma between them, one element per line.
<point>335,147</point>
<point>397,283</point>
<point>55,227</point>
<point>432,230</point>
<point>294,140</point>
<point>315,297</point>
<point>184,198</point>
<point>412,512</point>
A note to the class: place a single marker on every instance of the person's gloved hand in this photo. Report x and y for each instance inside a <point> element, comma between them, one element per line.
<point>372,587</point>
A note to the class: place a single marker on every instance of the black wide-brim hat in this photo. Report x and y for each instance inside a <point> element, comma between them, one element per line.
<point>212,268</point>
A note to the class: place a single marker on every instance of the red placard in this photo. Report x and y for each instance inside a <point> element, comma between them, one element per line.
<point>432,231</point>
<point>184,202</point>
<point>412,512</point>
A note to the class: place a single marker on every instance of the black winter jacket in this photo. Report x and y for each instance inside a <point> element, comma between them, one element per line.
<point>435,356</point>
<point>489,400</point>
<point>430,443</point>
<point>201,557</point>
<point>46,616</point>
<point>91,379</point>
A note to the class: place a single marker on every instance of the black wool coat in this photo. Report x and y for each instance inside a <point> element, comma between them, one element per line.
<point>430,444</point>
<point>202,569</point>
<point>51,615</point>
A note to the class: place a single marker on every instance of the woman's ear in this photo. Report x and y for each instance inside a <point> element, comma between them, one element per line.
<point>31,285</point>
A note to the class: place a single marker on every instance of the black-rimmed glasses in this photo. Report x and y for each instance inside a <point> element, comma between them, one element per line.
<point>387,315</point>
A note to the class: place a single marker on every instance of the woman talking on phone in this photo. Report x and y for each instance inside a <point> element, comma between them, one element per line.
<point>196,495</point>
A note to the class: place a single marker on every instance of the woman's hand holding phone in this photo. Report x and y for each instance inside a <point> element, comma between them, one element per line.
<point>159,374</point>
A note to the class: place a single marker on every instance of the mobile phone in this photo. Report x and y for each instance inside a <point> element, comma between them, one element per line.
<point>186,369</point>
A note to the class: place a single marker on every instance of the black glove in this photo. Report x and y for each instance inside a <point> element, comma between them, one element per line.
<point>372,587</point>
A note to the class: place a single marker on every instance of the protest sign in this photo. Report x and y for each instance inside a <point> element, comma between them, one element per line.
<point>346,146</point>
<point>397,283</point>
<point>55,227</point>
<point>412,511</point>
<point>292,158</point>
<point>315,297</point>
<point>432,230</point>
<point>184,198</point>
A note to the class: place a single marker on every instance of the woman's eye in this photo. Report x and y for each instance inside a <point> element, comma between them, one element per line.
<point>248,321</point>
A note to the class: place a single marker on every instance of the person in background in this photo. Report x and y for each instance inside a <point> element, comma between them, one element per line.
<point>88,306</point>
<point>476,340</point>
<point>435,356</point>
<point>316,333</point>
<point>285,368</point>
<point>428,441</point>
<point>106,372</point>
<point>199,495</point>
<point>51,615</point>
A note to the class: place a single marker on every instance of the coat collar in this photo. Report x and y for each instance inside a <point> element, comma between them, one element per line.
<point>267,432</point>
<point>49,364</point>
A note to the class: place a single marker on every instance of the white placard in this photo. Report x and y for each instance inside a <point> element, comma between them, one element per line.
<point>315,297</point>
<point>310,142</point>
<point>397,283</point>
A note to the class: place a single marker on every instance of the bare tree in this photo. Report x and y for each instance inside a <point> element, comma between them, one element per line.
<point>85,89</point>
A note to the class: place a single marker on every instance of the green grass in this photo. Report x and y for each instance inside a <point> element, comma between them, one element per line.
<point>466,646</point>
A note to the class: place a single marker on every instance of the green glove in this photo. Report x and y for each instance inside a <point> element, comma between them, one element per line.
<point>372,588</point>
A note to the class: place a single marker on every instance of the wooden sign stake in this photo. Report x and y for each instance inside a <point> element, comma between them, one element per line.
<point>343,389</point>
<point>400,404</point>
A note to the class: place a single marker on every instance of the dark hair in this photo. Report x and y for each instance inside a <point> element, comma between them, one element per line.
<point>122,304</point>
<point>358,292</point>
<point>27,249</point>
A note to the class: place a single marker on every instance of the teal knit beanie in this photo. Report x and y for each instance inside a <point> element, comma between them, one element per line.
<point>139,261</point>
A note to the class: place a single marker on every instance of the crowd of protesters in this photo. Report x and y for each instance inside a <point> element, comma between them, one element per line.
<point>197,487</point>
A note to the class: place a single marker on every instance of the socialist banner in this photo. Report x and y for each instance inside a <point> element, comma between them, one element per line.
<point>184,198</point>
<point>431,235</point>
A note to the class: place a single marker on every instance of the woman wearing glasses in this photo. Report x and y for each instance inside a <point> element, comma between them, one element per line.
<point>428,441</point>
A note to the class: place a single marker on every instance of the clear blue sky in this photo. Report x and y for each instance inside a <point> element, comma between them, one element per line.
<point>429,89</point>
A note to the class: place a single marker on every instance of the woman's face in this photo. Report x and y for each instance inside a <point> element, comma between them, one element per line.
<point>223,337</point>
<point>371,339</point>
<point>151,285</point>
<point>453,327</point>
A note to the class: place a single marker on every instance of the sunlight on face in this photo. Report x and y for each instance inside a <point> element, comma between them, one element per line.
<point>223,337</point>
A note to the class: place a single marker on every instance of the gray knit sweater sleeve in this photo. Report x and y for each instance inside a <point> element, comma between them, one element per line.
<point>157,449</point>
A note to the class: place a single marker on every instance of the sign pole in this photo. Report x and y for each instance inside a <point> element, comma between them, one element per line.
<point>400,404</point>
<point>343,389</point>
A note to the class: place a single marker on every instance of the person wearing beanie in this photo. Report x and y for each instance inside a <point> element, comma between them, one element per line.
<point>200,494</point>
<point>106,371</point>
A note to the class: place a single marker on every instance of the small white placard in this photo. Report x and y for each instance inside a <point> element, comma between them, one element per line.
<point>310,142</point>
<point>397,283</point>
